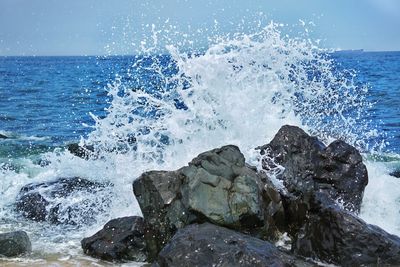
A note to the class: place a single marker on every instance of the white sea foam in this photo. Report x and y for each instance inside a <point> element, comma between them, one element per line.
<point>381,200</point>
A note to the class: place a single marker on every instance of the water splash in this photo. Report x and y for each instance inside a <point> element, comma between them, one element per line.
<point>240,90</point>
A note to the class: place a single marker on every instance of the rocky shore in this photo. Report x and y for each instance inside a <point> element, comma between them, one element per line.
<point>299,209</point>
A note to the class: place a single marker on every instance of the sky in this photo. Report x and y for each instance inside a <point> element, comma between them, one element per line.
<point>102,27</point>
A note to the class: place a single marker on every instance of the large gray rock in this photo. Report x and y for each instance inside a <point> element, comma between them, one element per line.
<point>217,187</point>
<point>121,239</point>
<point>210,245</point>
<point>14,244</point>
<point>63,201</point>
<point>309,166</point>
<point>337,236</point>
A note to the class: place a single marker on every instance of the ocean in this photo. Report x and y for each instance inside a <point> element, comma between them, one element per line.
<point>177,104</point>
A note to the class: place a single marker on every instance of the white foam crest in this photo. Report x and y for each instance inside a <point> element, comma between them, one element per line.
<point>382,198</point>
<point>239,91</point>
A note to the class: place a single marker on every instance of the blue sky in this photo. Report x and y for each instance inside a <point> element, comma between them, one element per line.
<point>96,27</point>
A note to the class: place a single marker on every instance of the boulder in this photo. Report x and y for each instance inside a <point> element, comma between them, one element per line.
<point>14,244</point>
<point>63,201</point>
<point>121,145</point>
<point>395,173</point>
<point>121,239</point>
<point>337,236</point>
<point>216,187</point>
<point>310,166</point>
<point>84,152</point>
<point>210,245</point>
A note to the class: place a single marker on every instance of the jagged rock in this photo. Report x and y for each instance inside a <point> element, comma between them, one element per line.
<point>309,166</point>
<point>32,205</point>
<point>217,187</point>
<point>337,236</point>
<point>121,239</point>
<point>2,136</point>
<point>324,189</point>
<point>93,151</point>
<point>63,201</point>
<point>395,173</point>
<point>210,245</point>
<point>84,152</point>
<point>14,244</point>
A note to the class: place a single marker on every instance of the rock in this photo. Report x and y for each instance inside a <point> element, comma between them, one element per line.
<point>337,236</point>
<point>63,201</point>
<point>210,245</point>
<point>121,145</point>
<point>395,173</point>
<point>2,136</point>
<point>121,239</point>
<point>32,205</point>
<point>158,194</point>
<point>84,152</point>
<point>216,187</point>
<point>14,244</point>
<point>324,186</point>
<point>310,166</point>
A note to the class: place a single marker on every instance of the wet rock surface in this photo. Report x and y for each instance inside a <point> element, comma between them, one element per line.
<point>84,152</point>
<point>323,192</point>
<point>338,236</point>
<point>310,166</point>
<point>121,239</point>
<point>14,244</point>
<point>63,201</point>
<point>395,173</point>
<point>216,187</point>
<point>210,245</point>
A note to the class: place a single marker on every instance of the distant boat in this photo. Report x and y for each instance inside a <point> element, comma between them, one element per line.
<point>350,51</point>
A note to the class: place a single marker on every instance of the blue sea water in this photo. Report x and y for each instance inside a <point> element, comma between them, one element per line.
<point>380,71</point>
<point>45,101</point>
<point>50,98</point>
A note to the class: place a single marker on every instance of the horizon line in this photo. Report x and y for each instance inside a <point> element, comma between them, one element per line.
<point>119,55</point>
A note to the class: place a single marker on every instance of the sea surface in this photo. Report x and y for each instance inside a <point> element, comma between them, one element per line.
<point>177,104</point>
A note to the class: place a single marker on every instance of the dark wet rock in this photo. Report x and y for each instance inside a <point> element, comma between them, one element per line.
<point>2,136</point>
<point>324,186</point>
<point>32,205</point>
<point>337,236</point>
<point>42,162</point>
<point>14,244</point>
<point>121,239</point>
<point>216,187</point>
<point>84,152</point>
<point>121,145</point>
<point>310,166</point>
<point>210,245</point>
<point>63,201</point>
<point>156,192</point>
<point>9,166</point>
<point>395,173</point>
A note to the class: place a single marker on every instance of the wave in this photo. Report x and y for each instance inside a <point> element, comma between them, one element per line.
<point>168,108</point>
